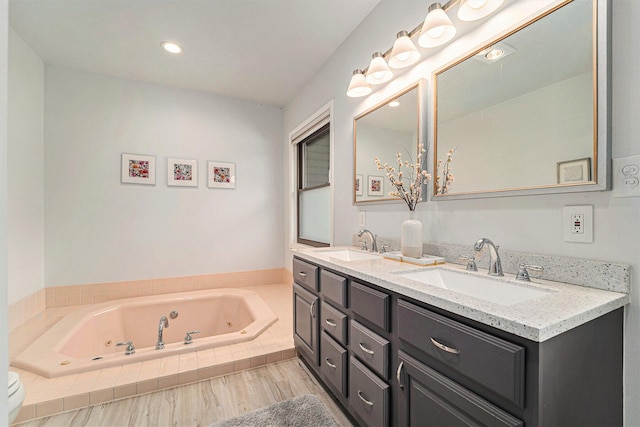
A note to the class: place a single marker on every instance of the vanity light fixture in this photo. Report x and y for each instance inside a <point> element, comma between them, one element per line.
<point>379,71</point>
<point>404,52</point>
<point>358,86</point>
<point>472,10</point>
<point>171,47</point>
<point>437,28</point>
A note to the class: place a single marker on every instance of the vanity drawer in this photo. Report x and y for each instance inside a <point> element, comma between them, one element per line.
<point>368,395</point>
<point>371,348</point>
<point>305,274</point>
<point>334,322</point>
<point>371,305</point>
<point>490,361</point>
<point>334,288</point>
<point>333,363</point>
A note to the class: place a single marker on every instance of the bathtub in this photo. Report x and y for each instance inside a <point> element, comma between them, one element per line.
<point>86,340</point>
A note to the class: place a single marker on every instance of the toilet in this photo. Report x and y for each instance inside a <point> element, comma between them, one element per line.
<point>16,395</point>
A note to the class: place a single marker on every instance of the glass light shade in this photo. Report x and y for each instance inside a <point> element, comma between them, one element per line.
<point>358,86</point>
<point>437,28</point>
<point>472,10</point>
<point>404,52</point>
<point>378,72</point>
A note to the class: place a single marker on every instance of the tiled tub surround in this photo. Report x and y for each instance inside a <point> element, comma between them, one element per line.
<point>65,296</point>
<point>566,307</point>
<point>50,396</point>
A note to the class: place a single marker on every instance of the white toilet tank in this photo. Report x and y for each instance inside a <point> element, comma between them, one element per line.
<point>16,395</point>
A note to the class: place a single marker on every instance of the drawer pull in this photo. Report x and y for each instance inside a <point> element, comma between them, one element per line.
<point>311,312</point>
<point>444,347</point>
<point>398,373</point>
<point>302,274</point>
<point>368,402</point>
<point>331,323</point>
<point>329,363</point>
<point>365,349</point>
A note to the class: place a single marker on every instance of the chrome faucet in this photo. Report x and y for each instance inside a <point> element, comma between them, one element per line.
<point>164,323</point>
<point>495,267</point>
<point>374,246</point>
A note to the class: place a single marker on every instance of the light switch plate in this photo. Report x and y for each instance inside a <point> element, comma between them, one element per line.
<point>362,219</point>
<point>626,176</point>
<point>577,224</point>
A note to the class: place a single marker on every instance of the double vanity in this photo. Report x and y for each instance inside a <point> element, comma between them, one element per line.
<point>401,345</point>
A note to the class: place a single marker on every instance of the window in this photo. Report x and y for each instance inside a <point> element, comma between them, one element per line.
<point>313,154</point>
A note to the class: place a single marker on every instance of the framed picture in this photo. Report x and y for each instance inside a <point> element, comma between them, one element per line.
<point>376,186</point>
<point>574,171</point>
<point>221,175</point>
<point>357,185</point>
<point>138,169</point>
<point>182,173</point>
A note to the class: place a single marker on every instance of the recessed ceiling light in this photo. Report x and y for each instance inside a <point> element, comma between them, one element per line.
<point>394,104</point>
<point>172,47</point>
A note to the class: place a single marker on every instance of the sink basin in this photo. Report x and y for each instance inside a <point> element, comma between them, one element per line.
<point>491,289</point>
<point>349,254</point>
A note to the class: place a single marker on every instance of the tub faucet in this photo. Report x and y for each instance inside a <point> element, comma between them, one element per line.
<point>495,266</point>
<point>374,246</point>
<point>164,323</point>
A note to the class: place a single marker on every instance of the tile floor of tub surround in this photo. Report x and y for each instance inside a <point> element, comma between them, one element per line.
<point>203,403</point>
<point>49,396</point>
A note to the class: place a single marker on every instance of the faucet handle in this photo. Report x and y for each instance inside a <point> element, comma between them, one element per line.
<point>130,348</point>
<point>188,339</point>
<point>523,274</point>
<point>471,262</point>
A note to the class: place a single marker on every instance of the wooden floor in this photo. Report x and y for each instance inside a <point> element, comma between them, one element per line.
<point>203,403</point>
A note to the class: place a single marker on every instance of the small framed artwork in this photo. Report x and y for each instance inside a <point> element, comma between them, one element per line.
<point>222,175</point>
<point>138,169</point>
<point>375,187</point>
<point>574,171</point>
<point>357,185</point>
<point>182,173</point>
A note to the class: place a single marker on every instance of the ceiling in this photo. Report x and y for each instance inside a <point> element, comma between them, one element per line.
<point>262,51</point>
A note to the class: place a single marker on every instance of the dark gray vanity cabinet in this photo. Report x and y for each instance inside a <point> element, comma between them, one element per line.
<point>390,360</point>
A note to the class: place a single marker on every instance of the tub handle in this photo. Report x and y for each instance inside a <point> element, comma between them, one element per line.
<point>130,348</point>
<point>188,339</point>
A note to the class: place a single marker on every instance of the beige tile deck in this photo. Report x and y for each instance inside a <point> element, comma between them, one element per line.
<point>49,396</point>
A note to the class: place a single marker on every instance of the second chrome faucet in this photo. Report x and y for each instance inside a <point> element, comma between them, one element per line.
<point>164,323</point>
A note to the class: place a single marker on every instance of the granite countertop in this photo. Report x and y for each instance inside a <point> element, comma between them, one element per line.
<point>564,307</point>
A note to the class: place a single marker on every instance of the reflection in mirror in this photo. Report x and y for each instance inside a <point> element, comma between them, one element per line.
<point>383,131</point>
<point>521,113</point>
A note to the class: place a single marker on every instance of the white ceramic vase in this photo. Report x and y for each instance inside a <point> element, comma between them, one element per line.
<point>411,237</point>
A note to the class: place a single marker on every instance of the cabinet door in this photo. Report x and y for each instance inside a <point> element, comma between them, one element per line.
<point>305,323</point>
<point>429,399</point>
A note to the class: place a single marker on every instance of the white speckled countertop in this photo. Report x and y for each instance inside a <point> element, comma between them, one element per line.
<point>540,319</point>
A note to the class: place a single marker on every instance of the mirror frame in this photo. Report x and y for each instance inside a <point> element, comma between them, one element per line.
<point>422,133</point>
<point>602,125</point>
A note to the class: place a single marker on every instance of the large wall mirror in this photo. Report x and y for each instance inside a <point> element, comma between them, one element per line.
<point>527,113</point>
<point>390,127</point>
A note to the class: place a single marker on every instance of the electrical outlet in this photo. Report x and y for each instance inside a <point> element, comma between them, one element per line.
<point>578,224</point>
<point>362,219</point>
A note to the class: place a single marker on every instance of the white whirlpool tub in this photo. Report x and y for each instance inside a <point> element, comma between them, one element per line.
<point>86,340</point>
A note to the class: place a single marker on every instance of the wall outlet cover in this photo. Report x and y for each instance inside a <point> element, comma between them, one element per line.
<point>626,176</point>
<point>577,224</point>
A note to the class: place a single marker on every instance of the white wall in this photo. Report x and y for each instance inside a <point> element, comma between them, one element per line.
<point>4,322</point>
<point>527,224</point>
<point>25,170</point>
<point>99,230</point>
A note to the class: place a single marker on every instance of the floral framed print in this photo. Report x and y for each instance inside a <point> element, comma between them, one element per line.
<point>357,185</point>
<point>138,169</point>
<point>222,175</point>
<point>182,173</point>
<point>574,171</point>
<point>376,185</point>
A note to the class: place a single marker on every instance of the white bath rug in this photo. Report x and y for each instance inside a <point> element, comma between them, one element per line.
<point>302,411</point>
